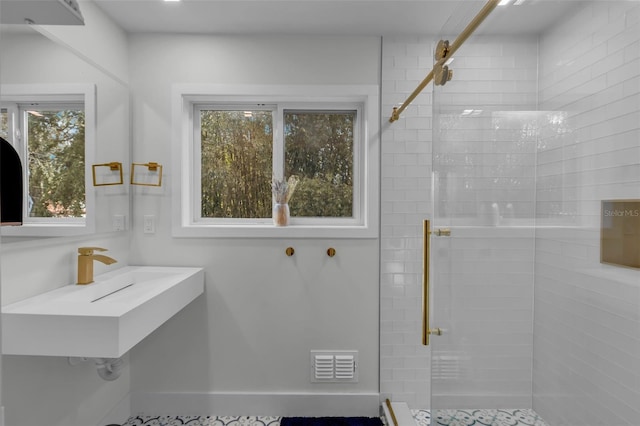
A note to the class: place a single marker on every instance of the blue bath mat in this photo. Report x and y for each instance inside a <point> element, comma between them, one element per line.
<point>330,421</point>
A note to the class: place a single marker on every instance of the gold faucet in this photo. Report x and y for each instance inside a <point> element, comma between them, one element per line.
<point>85,263</point>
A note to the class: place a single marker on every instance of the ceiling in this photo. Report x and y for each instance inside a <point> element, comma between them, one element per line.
<point>331,17</point>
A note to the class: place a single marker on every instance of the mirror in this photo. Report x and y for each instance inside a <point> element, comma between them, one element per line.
<point>52,57</point>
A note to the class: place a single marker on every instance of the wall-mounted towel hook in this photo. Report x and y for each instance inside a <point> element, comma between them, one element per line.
<point>289,251</point>
<point>331,252</point>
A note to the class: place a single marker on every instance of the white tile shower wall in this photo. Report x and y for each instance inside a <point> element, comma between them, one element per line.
<point>485,307</point>
<point>484,155</point>
<point>406,183</point>
<point>587,315</point>
<point>490,75</point>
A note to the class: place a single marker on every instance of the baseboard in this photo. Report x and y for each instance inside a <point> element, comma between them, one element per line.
<point>118,414</point>
<point>256,404</point>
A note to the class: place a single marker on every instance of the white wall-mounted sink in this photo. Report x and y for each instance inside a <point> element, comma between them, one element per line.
<point>103,319</point>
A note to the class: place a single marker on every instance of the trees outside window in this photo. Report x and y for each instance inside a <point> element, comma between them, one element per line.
<point>319,150</point>
<point>237,160</point>
<point>51,140</point>
<point>236,163</point>
<point>4,124</point>
<point>56,163</point>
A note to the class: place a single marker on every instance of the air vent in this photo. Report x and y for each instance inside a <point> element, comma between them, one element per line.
<point>323,367</point>
<point>334,366</point>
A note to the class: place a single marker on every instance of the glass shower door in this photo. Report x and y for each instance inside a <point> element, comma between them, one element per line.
<point>481,275</point>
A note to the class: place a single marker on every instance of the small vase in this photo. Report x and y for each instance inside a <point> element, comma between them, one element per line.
<point>281,214</point>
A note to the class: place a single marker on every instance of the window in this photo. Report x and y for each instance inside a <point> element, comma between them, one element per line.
<point>54,140</point>
<point>319,149</point>
<point>4,123</point>
<point>51,128</point>
<point>236,152</point>
<point>229,146</point>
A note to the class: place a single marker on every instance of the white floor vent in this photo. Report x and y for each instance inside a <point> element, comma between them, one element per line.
<point>334,366</point>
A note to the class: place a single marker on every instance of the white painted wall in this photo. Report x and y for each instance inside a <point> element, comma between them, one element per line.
<point>263,312</point>
<point>47,391</point>
<point>111,57</point>
<point>587,315</point>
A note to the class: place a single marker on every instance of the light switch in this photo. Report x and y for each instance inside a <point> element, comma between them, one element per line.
<point>149,225</point>
<point>118,222</point>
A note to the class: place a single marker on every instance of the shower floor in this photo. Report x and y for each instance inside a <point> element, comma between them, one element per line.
<point>479,417</point>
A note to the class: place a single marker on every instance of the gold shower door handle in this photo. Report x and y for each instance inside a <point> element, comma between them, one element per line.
<point>426,250</point>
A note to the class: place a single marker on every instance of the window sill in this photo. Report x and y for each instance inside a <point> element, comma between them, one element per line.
<point>271,231</point>
<point>47,230</point>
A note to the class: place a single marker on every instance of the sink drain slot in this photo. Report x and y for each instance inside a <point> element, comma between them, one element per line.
<point>113,292</point>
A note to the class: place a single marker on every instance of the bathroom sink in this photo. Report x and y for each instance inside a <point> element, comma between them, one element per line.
<point>103,319</point>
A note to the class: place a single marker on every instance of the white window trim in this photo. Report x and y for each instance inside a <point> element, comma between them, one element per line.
<point>184,96</point>
<point>86,93</point>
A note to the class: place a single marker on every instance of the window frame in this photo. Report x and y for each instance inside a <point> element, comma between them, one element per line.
<point>15,95</point>
<point>188,100</point>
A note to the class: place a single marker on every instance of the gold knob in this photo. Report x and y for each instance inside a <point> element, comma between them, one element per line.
<point>441,74</point>
<point>442,50</point>
<point>331,252</point>
<point>289,251</point>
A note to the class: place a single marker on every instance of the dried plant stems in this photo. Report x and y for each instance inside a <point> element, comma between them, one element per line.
<point>283,189</point>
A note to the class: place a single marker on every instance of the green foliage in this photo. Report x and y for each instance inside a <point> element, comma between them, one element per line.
<point>56,163</point>
<point>4,125</point>
<point>237,158</point>
<point>322,198</point>
<point>319,149</point>
<point>236,166</point>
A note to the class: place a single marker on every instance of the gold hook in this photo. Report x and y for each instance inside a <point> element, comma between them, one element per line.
<point>331,252</point>
<point>289,251</point>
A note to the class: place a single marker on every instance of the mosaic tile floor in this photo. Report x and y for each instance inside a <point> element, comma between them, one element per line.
<point>482,417</point>
<point>422,417</point>
<point>202,421</point>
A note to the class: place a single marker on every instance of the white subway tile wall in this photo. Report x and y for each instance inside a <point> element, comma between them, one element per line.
<point>587,315</point>
<point>515,146</point>
<point>484,271</point>
<point>484,157</point>
<point>406,186</point>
